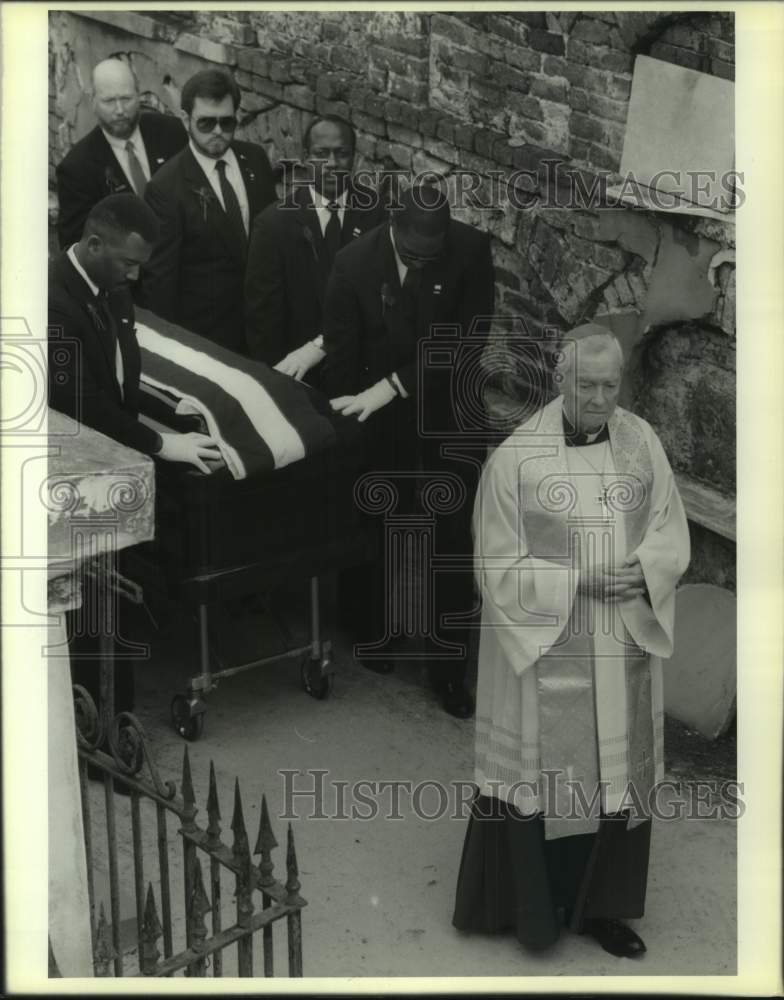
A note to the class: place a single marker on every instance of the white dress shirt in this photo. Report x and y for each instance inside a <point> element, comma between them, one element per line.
<point>233,176</point>
<point>121,153</point>
<point>322,207</point>
<point>119,368</point>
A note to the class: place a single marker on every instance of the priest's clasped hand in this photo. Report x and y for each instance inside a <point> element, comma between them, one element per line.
<point>614,584</point>
<point>192,448</point>
<point>365,403</point>
<point>299,362</point>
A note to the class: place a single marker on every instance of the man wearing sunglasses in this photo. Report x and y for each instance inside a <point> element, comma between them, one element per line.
<point>205,199</point>
<point>294,243</point>
<point>388,293</point>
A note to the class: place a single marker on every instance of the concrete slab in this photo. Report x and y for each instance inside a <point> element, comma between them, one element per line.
<point>700,679</point>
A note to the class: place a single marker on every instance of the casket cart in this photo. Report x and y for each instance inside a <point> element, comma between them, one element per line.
<point>219,539</point>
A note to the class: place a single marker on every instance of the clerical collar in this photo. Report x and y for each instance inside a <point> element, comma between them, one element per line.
<point>577,439</point>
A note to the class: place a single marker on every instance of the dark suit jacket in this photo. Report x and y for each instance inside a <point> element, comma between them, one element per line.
<point>90,171</point>
<point>196,274</point>
<point>287,271</point>
<point>82,374</point>
<point>368,335</point>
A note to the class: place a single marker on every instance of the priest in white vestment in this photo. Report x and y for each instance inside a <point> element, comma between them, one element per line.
<point>580,540</point>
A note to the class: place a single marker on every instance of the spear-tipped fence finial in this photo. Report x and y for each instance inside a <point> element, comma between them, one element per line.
<point>213,811</point>
<point>104,950</point>
<point>151,931</point>
<point>188,798</point>
<point>265,843</point>
<point>293,886</point>
<point>240,847</point>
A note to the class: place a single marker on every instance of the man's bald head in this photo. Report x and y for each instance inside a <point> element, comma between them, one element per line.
<point>116,97</point>
<point>588,375</point>
<point>421,224</point>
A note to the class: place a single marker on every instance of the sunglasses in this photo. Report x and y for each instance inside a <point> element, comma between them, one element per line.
<point>206,125</point>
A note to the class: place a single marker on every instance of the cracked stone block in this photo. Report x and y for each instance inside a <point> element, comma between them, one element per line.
<point>679,288</point>
<point>700,678</point>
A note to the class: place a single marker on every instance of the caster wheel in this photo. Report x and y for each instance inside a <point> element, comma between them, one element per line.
<point>314,683</point>
<point>189,726</point>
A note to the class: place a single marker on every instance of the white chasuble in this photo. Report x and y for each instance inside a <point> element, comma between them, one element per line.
<point>569,698</point>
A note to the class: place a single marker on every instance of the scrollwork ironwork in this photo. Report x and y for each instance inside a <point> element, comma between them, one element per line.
<point>124,738</point>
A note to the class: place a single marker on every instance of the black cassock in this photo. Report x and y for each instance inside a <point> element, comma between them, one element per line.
<point>511,878</point>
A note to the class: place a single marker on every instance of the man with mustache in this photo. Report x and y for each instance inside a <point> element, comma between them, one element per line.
<point>121,153</point>
<point>205,199</point>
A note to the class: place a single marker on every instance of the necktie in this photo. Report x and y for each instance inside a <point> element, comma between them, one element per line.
<point>410,293</point>
<point>332,235</point>
<point>138,179</point>
<point>111,330</point>
<point>231,203</point>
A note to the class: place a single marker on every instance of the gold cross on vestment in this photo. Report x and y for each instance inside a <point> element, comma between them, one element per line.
<point>604,501</point>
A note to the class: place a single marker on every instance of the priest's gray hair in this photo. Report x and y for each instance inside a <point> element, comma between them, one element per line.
<point>583,340</point>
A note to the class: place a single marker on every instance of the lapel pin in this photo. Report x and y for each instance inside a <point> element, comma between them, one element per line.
<point>124,319</point>
<point>159,159</point>
<point>356,232</point>
<point>436,289</point>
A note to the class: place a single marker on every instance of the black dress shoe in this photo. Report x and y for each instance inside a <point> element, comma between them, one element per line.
<point>378,666</point>
<point>614,937</point>
<point>457,700</point>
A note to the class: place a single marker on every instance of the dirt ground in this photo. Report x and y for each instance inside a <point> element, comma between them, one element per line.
<point>380,890</point>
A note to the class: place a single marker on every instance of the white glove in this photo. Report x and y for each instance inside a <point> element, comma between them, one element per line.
<point>298,362</point>
<point>365,403</point>
<point>192,448</point>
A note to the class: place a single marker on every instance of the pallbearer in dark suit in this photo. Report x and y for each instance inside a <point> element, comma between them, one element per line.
<point>205,199</point>
<point>387,293</point>
<point>121,153</point>
<point>95,363</point>
<point>293,245</point>
<point>94,358</point>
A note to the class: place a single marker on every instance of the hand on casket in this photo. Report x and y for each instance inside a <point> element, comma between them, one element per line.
<point>365,403</point>
<point>193,449</point>
<point>299,362</point>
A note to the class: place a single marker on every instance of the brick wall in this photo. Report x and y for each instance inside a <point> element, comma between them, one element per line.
<point>498,95</point>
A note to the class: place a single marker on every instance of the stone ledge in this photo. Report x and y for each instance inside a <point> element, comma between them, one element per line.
<point>132,22</point>
<point>707,507</point>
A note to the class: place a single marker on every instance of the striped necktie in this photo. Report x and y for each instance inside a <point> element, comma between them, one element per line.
<point>138,179</point>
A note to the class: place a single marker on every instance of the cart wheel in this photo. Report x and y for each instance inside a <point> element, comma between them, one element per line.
<point>189,726</point>
<point>316,684</point>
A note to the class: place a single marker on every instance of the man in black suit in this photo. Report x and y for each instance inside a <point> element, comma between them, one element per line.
<point>388,292</point>
<point>121,153</point>
<point>95,362</point>
<point>205,198</point>
<point>293,246</point>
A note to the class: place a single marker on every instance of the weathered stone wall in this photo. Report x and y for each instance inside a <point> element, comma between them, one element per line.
<point>499,95</point>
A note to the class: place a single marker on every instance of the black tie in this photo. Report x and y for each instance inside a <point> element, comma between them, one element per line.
<point>332,235</point>
<point>231,203</point>
<point>111,330</point>
<point>410,293</point>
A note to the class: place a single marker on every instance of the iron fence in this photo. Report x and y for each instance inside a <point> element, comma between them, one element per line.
<point>261,900</point>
